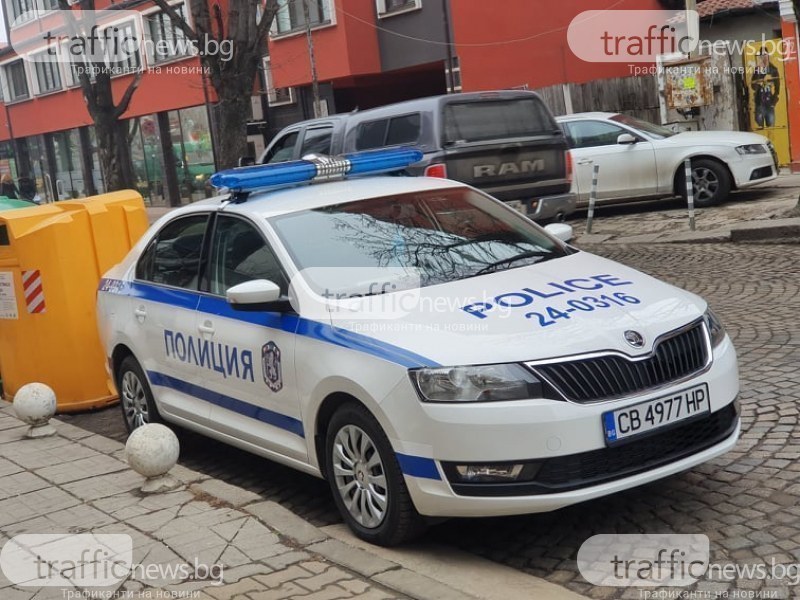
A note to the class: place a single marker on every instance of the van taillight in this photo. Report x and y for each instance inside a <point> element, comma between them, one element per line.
<point>438,170</point>
<point>568,161</point>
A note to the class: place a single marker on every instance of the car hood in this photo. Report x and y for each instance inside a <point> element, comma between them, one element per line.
<point>715,138</point>
<point>464,322</point>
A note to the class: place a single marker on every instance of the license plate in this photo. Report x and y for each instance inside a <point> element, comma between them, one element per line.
<point>655,414</point>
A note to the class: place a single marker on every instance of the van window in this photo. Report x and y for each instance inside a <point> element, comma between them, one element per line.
<point>495,119</point>
<point>388,132</point>
<point>317,141</point>
<point>371,135</point>
<point>283,149</point>
<point>403,130</point>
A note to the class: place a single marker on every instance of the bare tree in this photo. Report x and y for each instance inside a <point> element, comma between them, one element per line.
<point>230,48</point>
<point>112,133</point>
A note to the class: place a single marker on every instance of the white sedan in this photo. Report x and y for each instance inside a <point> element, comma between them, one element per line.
<point>639,160</point>
<point>422,346</point>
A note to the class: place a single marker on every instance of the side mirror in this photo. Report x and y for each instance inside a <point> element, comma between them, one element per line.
<point>626,139</point>
<point>246,161</point>
<point>562,231</point>
<point>258,295</point>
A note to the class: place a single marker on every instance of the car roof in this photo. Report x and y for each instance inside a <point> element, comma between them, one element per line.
<point>586,115</point>
<point>415,105</point>
<point>270,203</point>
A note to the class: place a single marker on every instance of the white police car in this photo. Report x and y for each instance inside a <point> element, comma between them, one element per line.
<point>425,348</point>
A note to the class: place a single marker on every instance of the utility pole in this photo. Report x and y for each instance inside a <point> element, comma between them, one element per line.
<point>314,78</point>
<point>691,6</point>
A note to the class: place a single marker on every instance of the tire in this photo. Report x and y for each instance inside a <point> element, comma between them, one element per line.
<point>357,450</point>
<point>711,180</point>
<point>135,396</point>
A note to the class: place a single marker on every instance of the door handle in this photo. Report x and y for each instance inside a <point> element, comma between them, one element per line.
<point>141,313</point>
<point>206,328</point>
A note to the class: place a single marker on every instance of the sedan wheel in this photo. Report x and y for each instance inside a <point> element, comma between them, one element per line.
<point>711,182</point>
<point>367,484</point>
<point>135,397</point>
<point>360,476</point>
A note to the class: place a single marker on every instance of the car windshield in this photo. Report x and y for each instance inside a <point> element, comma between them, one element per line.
<point>439,235</point>
<point>656,131</point>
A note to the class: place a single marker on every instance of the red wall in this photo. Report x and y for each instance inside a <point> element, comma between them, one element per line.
<point>542,59</point>
<point>348,48</point>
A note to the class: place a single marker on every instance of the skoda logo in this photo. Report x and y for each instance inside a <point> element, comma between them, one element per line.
<point>634,339</point>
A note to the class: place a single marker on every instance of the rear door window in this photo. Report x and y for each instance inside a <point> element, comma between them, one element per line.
<point>495,119</point>
<point>404,129</point>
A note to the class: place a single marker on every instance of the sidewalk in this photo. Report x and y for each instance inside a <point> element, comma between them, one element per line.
<point>78,482</point>
<point>754,215</point>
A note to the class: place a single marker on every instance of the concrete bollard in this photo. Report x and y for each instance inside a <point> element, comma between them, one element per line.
<point>35,404</point>
<point>152,450</point>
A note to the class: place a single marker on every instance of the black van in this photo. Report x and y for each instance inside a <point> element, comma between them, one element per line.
<point>505,143</point>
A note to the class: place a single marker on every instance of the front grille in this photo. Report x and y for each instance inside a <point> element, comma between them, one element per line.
<point>576,471</point>
<point>674,358</point>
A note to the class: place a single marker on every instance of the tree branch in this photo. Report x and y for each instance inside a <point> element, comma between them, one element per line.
<point>176,19</point>
<point>263,26</point>
<point>122,106</point>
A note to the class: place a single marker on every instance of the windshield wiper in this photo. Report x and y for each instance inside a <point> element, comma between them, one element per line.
<point>507,261</point>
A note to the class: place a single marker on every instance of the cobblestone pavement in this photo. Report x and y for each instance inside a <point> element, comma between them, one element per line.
<point>747,502</point>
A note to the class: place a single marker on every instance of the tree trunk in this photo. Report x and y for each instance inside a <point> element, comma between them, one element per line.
<point>113,150</point>
<point>232,113</point>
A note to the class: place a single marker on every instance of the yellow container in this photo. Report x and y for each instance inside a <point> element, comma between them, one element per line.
<point>51,260</point>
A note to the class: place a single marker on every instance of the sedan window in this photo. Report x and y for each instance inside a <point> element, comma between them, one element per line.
<point>589,134</point>
<point>173,257</point>
<point>239,254</point>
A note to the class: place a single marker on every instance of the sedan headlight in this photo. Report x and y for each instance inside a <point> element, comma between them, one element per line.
<point>485,383</point>
<point>715,329</point>
<point>752,149</point>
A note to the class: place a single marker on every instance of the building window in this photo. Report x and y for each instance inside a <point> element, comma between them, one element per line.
<point>122,48</point>
<point>48,76</point>
<point>291,15</point>
<point>276,96</point>
<point>17,80</point>
<point>387,8</point>
<point>24,10</point>
<point>48,5</point>
<point>167,40</point>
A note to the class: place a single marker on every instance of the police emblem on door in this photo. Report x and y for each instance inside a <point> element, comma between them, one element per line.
<point>271,366</point>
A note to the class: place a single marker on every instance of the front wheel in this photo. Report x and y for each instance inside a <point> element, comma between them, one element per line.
<point>135,396</point>
<point>711,183</point>
<point>366,481</point>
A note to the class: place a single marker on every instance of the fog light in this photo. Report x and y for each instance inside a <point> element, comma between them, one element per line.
<point>477,473</point>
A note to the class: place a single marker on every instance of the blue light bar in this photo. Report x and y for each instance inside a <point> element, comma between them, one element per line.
<point>316,169</point>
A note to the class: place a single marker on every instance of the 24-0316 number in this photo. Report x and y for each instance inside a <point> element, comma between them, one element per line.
<point>551,315</point>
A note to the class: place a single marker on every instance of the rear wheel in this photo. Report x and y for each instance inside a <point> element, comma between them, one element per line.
<point>710,180</point>
<point>135,396</point>
<point>365,478</point>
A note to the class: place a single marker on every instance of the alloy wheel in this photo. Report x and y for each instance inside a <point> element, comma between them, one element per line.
<point>134,400</point>
<point>360,476</point>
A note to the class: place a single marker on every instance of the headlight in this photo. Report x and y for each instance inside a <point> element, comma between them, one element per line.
<point>715,329</point>
<point>476,384</point>
<point>751,149</point>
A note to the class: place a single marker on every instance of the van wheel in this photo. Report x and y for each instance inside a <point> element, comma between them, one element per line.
<point>135,396</point>
<point>365,478</point>
<point>711,182</point>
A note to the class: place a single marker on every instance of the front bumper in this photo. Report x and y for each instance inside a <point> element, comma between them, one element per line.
<point>564,433</point>
<point>754,170</point>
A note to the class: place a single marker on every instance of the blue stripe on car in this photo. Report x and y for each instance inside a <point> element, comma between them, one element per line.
<point>418,466</point>
<point>322,332</point>
<point>259,413</point>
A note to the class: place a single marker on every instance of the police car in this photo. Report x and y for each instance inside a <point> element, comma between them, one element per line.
<point>426,349</point>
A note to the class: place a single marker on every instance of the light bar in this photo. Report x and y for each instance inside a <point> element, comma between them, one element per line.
<point>315,169</point>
